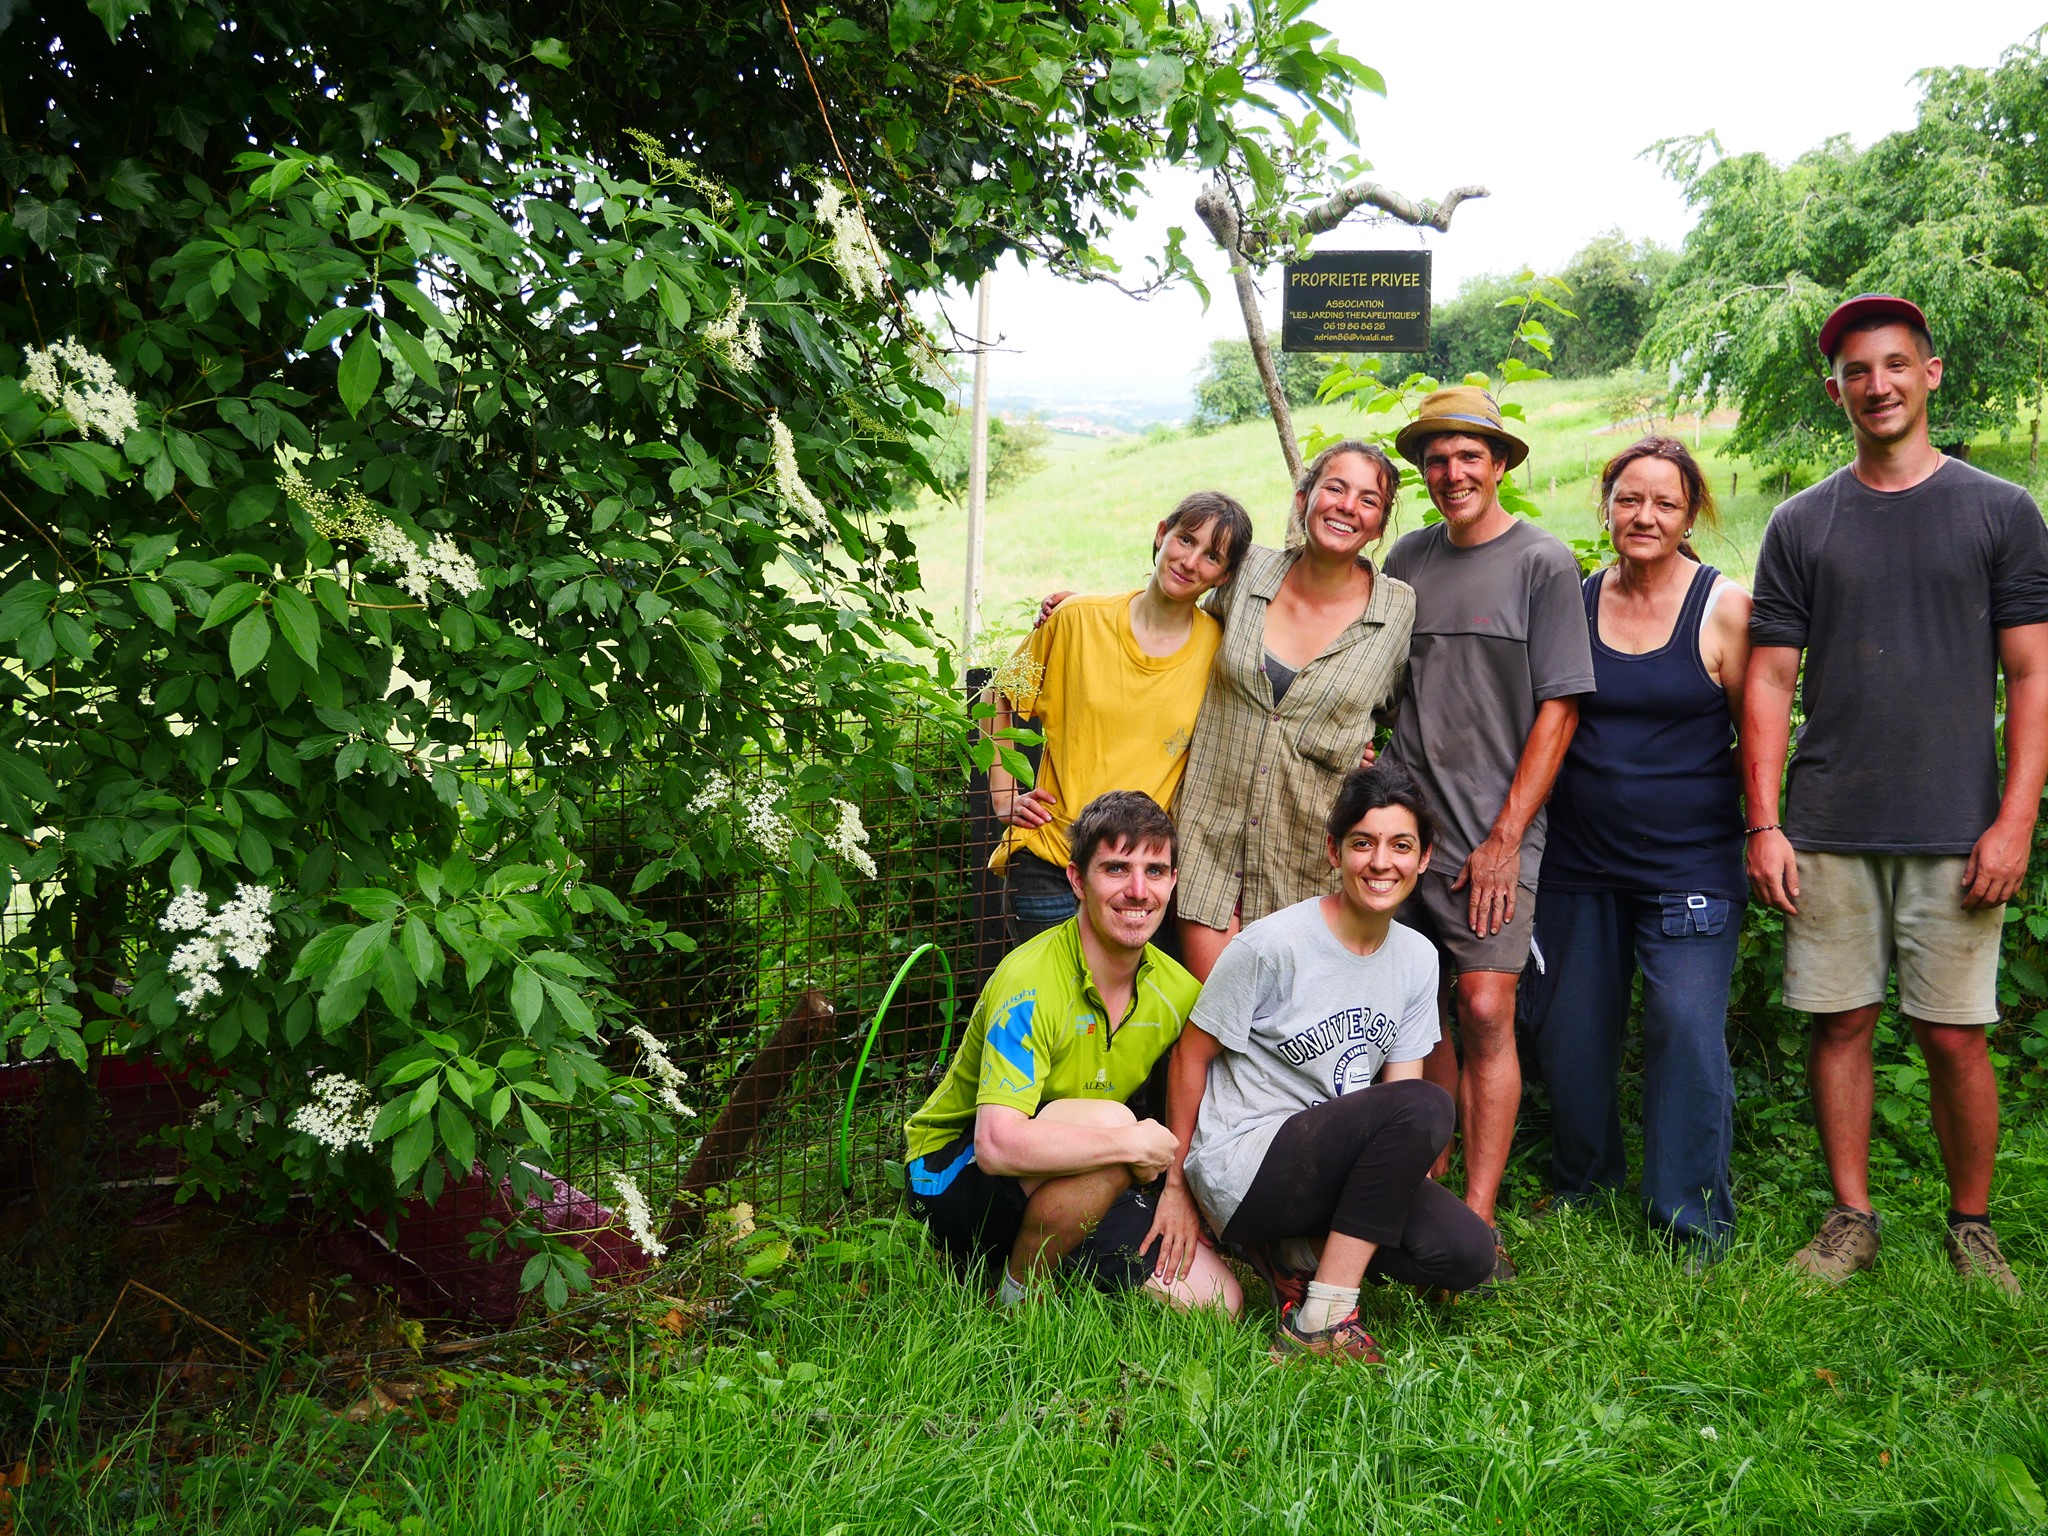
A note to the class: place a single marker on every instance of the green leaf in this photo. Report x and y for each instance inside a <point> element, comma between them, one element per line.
<point>359,957</point>
<point>297,622</point>
<point>361,366</point>
<point>457,1134</point>
<point>155,603</point>
<point>373,902</point>
<point>553,52</point>
<point>336,322</point>
<point>115,15</point>
<point>249,642</point>
<point>526,997</point>
<point>228,602</point>
<point>396,983</point>
<point>415,354</point>
<point>421,952</point>
<point>536,1127</point>
<point>411,1150</point>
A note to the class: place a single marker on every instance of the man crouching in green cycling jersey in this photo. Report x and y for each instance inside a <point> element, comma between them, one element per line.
<point>1028,1157</point>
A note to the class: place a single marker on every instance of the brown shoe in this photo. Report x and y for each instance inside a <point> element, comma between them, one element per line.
<point>1973,1249</point>
<point>1345,1339</point>
<point>1846,1242</point>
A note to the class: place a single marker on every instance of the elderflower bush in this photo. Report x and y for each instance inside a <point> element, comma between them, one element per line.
<point>360,916</point>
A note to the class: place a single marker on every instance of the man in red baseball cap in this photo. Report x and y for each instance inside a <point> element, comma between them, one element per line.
<point>1909,580</point>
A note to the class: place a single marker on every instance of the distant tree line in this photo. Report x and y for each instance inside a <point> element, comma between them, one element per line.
<point>1952,212</point>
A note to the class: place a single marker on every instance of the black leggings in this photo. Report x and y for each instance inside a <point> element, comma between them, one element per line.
<point>1358,1165</point>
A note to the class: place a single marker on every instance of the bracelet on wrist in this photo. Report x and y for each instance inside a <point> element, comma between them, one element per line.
<point>1768,827</point>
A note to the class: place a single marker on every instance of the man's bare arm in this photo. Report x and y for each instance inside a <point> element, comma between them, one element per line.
<point>1998,864</point>
<point>1010,1143</point>
<point>1767,687</point>
<point>1494,869</point>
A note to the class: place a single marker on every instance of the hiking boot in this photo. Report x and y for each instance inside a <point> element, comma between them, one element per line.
<point>1973,1249</point>
<point>1289,1286</point>
<point>1345,1339</point>
<point>1504,1273</point>
<point>1846,1242</point>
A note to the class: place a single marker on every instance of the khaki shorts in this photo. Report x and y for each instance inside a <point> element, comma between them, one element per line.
<point>1443,916</point>
<point>1862,913</point>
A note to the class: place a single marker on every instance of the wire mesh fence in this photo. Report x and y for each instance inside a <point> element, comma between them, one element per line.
<point>809,1027</point>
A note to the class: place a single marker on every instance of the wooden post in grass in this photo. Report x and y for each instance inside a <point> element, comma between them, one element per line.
<point>755,1094</point>
<point>977,479</point>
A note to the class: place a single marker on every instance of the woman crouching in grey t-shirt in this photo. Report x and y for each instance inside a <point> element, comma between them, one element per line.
<point>1297,1087</point>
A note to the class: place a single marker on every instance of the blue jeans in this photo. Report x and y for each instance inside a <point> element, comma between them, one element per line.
<point>1684,944</point>
<point>1040,897</point>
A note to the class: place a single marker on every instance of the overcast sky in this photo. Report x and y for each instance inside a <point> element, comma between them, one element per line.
<point>1547,106</point>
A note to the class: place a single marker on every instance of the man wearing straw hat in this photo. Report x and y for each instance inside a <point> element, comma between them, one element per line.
<point>1499,655</point>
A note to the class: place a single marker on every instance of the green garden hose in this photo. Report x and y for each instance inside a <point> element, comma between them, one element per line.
<point>874,1029</point>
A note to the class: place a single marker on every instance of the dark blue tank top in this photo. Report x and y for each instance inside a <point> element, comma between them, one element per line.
<point>1648,801</point>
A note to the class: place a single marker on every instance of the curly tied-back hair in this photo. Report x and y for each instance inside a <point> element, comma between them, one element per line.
<point>1390,480</point>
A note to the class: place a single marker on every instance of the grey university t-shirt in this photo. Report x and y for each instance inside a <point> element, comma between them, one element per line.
<point>1302,1019</point>
<point>1499,628</point>
<point>1897,598</point>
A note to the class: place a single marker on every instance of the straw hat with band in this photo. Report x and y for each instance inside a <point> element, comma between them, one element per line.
<point>1465,409</point>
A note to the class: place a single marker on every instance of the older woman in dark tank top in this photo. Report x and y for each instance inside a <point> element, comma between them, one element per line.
<point>1643,870</point>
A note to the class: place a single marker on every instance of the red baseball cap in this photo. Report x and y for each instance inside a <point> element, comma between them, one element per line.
<point>1869,306</point>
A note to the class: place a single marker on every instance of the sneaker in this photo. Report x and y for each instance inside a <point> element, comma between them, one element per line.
<point>1973,1249</point>
<point>1846,1242</point>
<point>1345,1339</point>
<point>1289,1286</point>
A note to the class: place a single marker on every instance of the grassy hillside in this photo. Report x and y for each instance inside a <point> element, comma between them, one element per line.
<point>1085,521</point>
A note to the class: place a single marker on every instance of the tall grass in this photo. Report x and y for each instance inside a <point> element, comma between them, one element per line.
<point>864,1391</point>
<point>1084,522</point>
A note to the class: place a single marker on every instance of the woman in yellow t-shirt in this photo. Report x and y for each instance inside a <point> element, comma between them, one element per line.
<point>1116,683</point>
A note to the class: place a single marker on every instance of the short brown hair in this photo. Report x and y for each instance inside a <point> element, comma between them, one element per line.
<point>1198,509</point>
<point>1122,818</point>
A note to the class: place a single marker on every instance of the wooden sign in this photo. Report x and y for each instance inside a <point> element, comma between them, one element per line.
<point>1357,301</point>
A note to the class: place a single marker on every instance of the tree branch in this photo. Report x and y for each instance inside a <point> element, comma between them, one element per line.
<point>1217,209</point>
<point>1340,205</point>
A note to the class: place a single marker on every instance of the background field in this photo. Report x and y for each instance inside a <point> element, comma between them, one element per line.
<point>1085,520</point>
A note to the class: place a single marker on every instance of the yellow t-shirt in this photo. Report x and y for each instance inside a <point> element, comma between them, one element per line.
<point>1113,717</point>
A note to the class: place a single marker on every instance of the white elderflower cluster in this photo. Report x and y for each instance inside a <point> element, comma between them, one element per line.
<point>639,1220</point>
<point>240,931</point>
<point>668,1077</point>
<point>89,396</point>
<point>711,794</point>
<point>766,827</point>
<point>853,249</point>
<point>789,480</point>
<point>740,345</point>
<point>354,516</point>
<point>848,839</point>
<point>339,1115</point>
<point>761,816</point>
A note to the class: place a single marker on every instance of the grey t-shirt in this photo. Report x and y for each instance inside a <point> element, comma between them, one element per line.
<point>1499,628</point>
<point>1897,598</point>
<point>1302,1019</point>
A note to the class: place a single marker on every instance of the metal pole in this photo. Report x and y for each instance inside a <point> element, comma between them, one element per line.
<point>977,478</point>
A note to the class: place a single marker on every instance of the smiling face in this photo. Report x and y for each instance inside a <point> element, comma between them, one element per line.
<point>1189,558</point>
<point>1647,513</point>
<point>1346,509</point>
<point>1124,892</point>
<point>1379,859</point>
<point>1463,477</point>
<point>1882,379</point>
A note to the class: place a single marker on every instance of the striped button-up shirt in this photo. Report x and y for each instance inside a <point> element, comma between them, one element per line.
<point>1261,776</point>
